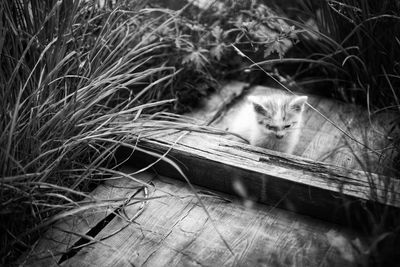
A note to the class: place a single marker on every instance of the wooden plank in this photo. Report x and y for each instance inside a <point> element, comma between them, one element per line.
<point>62,235</point>
<point>174,230</point>
<point>327,137</point>
<point>320,140</point>
<point>294,183</point>
<point>347,151</point>
<point>311,124</point>
<point>374,156</point>
<point>213,107</point>
<point>373,131</point>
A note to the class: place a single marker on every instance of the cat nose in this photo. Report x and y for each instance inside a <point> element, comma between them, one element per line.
<point>279,136</point>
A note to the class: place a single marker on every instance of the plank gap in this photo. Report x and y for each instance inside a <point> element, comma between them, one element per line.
<point>78,245</point>
<point>94,231</point>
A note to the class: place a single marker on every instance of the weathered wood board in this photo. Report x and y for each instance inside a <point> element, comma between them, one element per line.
<point>320,139</point>
<point>326,182</point>
<point>61,236</point>
<point>317,189</point>
<point>174,230</point>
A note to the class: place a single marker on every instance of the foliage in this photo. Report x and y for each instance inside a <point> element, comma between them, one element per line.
<point>75,79</point>
<point>207,31</point>
<point>351,50</point>
<point>354,48</point>
<point>66,67</point>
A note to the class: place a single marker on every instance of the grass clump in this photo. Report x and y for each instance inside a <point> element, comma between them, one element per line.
<point>353,48</point>
<point>75,78</point>
<point>69,70</point>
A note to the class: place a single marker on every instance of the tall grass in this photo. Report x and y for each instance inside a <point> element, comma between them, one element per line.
<point>353,48</point>
<point>70,71</point>
<point>75,79</point>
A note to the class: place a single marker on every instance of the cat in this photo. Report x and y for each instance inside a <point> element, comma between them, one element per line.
<point>273,121</point>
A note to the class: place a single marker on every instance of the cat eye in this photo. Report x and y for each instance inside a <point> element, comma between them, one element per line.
<point>270,127</point>
<point>286,126</point>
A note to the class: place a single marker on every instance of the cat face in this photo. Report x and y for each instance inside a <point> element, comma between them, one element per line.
<point>278,114</point>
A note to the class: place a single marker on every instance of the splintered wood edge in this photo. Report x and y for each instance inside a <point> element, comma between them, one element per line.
<point>291,182</point>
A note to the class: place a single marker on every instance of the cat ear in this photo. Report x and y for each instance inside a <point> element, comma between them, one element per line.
<point>297,103</point>
<point>258,108</point>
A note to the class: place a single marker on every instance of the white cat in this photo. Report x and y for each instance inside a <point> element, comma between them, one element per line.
<point>272,121</point>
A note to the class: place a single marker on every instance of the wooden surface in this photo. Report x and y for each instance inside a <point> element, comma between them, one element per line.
<point>61,236</point>
<point>173,229</point>
<point>320,139</point>
<point>328,180</point>
<point>298,184</point>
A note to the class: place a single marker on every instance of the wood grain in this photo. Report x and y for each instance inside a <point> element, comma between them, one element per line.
<point>62,235</point>
<point>294,183</point>
<point>174,230</point>
<point>326,136</point>
<point>374,132</point>
<point>214,107</point>
<point>320,139</point>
